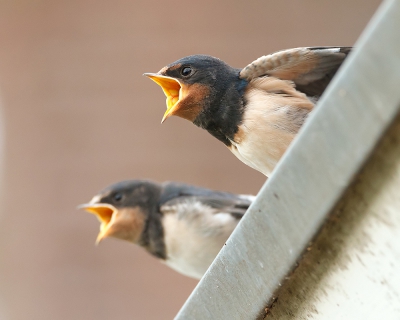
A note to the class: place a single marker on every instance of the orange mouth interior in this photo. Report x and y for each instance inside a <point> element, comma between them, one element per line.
<point>172,90</point>
<point>103,212</point>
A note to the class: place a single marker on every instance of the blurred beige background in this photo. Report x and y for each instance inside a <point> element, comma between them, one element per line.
<point>79,115</point>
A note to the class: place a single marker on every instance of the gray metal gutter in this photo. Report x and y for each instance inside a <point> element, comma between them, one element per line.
<point>291,207</point>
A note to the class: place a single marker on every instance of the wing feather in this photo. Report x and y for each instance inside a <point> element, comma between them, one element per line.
<point>175,193</point>
<point>311,69</point>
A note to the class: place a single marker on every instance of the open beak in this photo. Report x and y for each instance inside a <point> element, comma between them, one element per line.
<point>104,212</point>
<point>172,89</point>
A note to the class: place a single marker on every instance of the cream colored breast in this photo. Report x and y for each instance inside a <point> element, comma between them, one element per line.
<point>270,123</point>
<point>194,236</point>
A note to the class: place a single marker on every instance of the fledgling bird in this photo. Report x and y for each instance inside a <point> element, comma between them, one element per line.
<point>184,226</point>
<point>255,111</point>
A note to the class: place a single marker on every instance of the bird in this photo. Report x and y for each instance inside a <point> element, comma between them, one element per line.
<point>183,226</point>
<point>255,111</point>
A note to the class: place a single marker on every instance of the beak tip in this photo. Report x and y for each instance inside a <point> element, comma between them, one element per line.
<point>166,116</point>
<point>149,75</point>
<point>98,240</point>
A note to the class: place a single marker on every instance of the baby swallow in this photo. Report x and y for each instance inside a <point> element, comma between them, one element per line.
<point>256,111</point>
<point>182,225</point>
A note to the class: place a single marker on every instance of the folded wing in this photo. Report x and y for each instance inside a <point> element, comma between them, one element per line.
<point>311,69</point>
<point>175,193</point>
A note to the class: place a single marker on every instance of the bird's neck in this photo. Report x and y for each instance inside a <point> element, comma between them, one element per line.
<point>223,112</point>
<point>152,238</point>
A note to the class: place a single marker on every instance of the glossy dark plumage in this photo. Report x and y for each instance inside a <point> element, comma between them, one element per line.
<point>255,111</point>
<point>182,225</point>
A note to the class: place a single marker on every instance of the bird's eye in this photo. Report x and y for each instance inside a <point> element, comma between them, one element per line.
<point>186,71</point>
<point>118,196</point>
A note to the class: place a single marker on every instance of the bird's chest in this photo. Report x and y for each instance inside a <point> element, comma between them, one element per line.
<point>254,153</point>
<point>192,244</point>
<point>260,145</point>
<point>267,129</point>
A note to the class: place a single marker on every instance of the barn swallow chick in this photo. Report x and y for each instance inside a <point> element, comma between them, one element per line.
<point>182,225</point>
<point>256,111</point>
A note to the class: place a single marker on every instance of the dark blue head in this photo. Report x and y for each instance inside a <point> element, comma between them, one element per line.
<point>195,84</point>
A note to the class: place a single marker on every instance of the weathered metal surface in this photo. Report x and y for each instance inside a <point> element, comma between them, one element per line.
<point>339,136</point>
<point>351,270</point>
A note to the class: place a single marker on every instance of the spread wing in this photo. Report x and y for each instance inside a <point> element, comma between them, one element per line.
<point>311,69</point>
<point>174,193</point>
